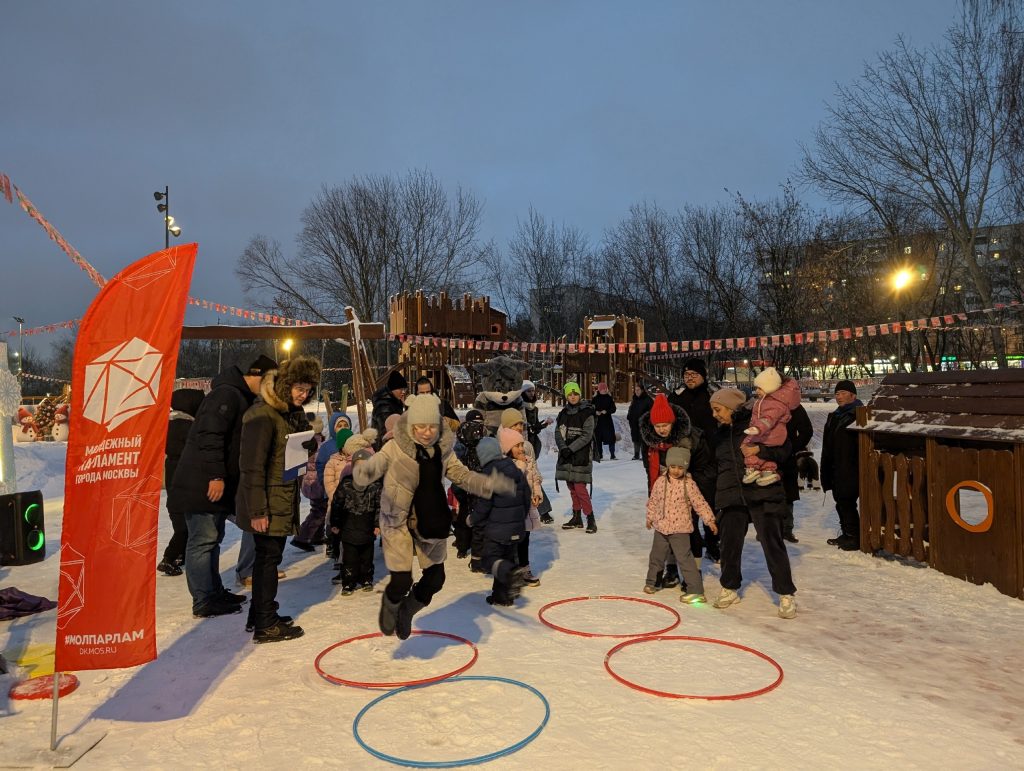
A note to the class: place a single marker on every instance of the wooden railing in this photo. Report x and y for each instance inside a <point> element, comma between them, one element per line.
<point>894,508</point>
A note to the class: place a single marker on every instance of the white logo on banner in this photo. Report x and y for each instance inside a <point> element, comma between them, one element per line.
<point>122,383</point>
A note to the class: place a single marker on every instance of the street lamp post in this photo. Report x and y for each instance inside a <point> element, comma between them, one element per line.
<point>899,282</point>
<point>170,229</point>
<point>21,349</point>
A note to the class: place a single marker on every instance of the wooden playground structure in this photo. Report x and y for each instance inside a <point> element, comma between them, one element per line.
<point>472,318</point>
<point>607,358</point>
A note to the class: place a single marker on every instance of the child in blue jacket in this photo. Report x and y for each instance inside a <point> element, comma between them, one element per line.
<point>503,519</point>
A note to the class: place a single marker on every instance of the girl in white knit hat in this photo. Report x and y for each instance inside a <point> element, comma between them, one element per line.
<point>776,400</point>
<point>414,516</point>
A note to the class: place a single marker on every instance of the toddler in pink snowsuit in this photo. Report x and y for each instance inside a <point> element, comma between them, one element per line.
<point>776,400</point>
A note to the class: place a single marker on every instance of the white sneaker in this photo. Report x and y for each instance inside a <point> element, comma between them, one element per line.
<point>693,599</point>
<point>752,431</point>
<point>751,476</point>
<point>726,598</point>
<point>767,478</point>
<point>787,606</point>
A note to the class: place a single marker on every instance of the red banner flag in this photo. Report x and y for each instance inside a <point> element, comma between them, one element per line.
<point>122,378</point>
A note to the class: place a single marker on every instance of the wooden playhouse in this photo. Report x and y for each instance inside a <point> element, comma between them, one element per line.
<point>942,473</point>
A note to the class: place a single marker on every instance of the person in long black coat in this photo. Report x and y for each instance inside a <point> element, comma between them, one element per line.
<point>840,465</point>
<point>799,432</point>
<point>639,406</point>
<point>184,406</point>
<point>604,429</point>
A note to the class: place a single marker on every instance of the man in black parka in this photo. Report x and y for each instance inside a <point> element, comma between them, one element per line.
<point>840,465</point>
<point>206,482</point>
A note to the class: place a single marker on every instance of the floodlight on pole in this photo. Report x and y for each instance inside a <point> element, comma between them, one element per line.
<point>170,229</point>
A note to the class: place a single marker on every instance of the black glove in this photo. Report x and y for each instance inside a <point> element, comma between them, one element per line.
<point>565,455</point>
<point>310,445</point>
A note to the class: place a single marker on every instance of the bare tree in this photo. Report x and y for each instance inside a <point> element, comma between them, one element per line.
<point>365,241</point>
<point>929,128</point>
<point>722,280</point>
<point>640,259</point>
<point>538,280</point>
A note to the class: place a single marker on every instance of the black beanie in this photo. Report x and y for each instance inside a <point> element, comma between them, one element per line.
<point>397,380</point>
<point>698,366</point>
<point>846,385</point>
<point>261,366</point>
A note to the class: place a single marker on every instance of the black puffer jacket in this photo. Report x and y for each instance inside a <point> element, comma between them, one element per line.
<point>503,516</point>
<point>211,450</point>
<point>184,406</point>
<point>683,434</point>
<point>730,490</point>
<point>697,403</point>
<point>840,460</point>
<point>356,512</point>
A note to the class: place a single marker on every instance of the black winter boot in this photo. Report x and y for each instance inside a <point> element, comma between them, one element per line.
<point>576,521</point>
<point>410,607</point>
<point>279,632</point>
<point>388,618</point>
<point>591,524</point>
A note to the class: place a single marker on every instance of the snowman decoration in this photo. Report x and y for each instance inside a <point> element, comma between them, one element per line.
<point>29,430</point>
<point>59,432</point>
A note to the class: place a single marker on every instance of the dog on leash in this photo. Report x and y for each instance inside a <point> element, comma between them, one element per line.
<point>807,469</point>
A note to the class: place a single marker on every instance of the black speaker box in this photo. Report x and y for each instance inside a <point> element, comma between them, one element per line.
<point>22,535</point>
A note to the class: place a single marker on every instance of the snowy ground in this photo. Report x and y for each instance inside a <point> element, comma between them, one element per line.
<point>886,665</point>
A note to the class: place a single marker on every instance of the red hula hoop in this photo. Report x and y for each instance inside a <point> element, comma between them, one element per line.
<point>670,627</point>
<point>669,695</point>
<point>398,684</point>
<point>42,687</point>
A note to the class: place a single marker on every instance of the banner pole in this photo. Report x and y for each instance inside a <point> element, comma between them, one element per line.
<point>53,714</point>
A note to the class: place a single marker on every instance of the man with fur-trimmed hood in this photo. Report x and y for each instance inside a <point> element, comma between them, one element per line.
<point>414,514</point>
<point>267,505</point>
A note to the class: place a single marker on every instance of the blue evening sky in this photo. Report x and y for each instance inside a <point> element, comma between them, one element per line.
<point>246,109</point>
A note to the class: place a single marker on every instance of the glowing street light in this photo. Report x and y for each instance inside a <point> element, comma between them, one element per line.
<point>286,346</point>
<point>900,280</point>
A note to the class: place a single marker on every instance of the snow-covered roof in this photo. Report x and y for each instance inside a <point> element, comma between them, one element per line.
<point>950,405</point>
<point>606,324</point>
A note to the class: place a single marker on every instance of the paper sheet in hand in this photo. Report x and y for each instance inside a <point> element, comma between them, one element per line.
<point>295,455</point>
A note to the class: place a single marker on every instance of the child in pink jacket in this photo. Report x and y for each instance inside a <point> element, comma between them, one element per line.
<point>776,400</point>
<point>673,500</point>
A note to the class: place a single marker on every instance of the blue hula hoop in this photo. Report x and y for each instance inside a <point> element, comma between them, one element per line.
<point>452,763</point>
